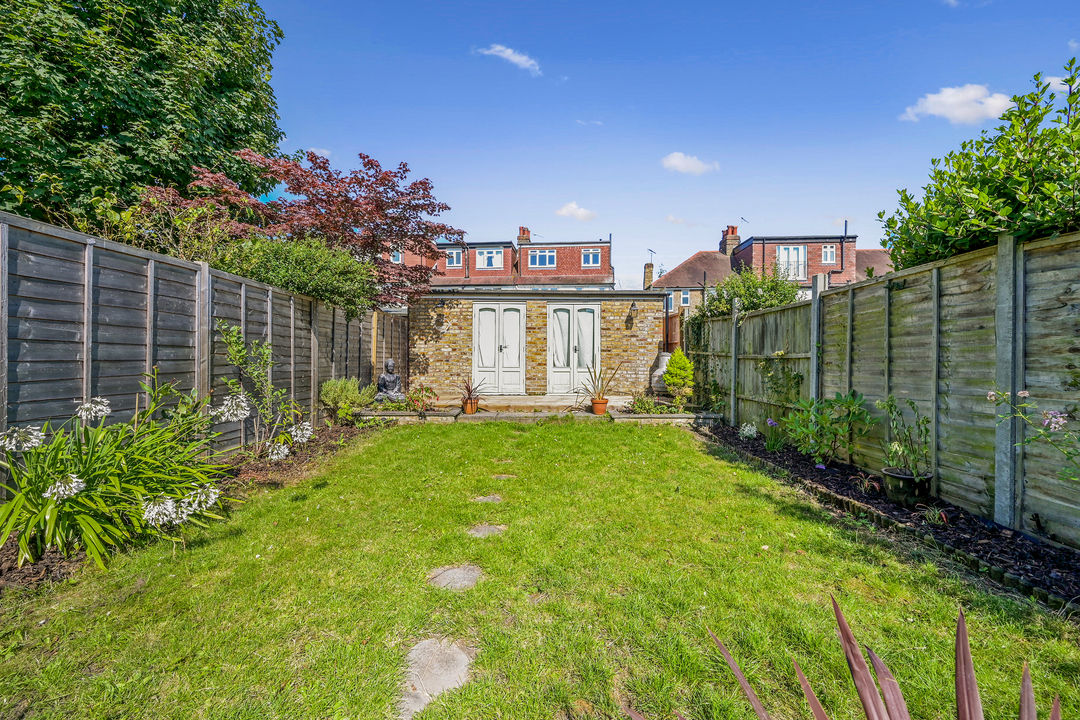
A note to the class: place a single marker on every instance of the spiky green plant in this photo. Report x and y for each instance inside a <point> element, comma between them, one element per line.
<point>893,707</point>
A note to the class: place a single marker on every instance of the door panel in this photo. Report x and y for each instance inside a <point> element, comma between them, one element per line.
<point>498,347</point>
<point>573,345</point>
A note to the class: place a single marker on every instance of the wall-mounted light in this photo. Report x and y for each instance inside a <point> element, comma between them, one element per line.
<point>633,310</point>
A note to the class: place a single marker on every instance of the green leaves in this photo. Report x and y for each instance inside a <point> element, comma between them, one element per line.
<point>117,95</point>
<point>827,428</point>
<point>1024,179</point>
<point>751,290</point>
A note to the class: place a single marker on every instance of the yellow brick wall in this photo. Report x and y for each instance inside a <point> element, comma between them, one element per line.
<point>440,344</point>
<point>536,342</point>
<point>633,342</point>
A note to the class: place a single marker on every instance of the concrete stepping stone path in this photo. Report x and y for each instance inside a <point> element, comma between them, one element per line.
<point>455,577</point>
<point>435,666</point>
<point>484,530</point>
<point>488,499</point>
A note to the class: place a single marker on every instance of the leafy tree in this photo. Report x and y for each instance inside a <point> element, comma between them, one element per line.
<point>110,96</point>
<point>754,291</point>
<point>679,378</point>
<point>370,212</point>
<point>1024,179</point>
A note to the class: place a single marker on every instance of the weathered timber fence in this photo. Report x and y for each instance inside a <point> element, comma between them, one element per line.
<point>86,317</point>
<point>942,334</point>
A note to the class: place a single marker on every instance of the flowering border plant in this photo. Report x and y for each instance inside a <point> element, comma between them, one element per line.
<point>1050,426</point>
<point>83,484</point>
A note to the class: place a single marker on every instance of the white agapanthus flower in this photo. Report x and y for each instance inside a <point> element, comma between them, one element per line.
<point>300,432</point>
<point>93,410</point>
<point>278,451</point>
<point>199,499</point>
<point>21,439</point>
<point>63,489</point>
<point>748,431</point>
<point>163,511</point>
<point>235,408</point>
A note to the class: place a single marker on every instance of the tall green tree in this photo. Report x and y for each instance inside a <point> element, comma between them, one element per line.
<point>107,96</point>
<point>1023,179</point>
<point>771,287</point>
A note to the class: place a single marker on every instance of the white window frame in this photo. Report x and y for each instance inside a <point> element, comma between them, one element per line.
<point>482,255</point>
<point>535,254</point>
<point>828,254</point>
<point>453,258</point>
<point>685,300</point>
<point>799,262</point>
<point>669,302</point>
<point>397,257</point>
<point>588,252</point>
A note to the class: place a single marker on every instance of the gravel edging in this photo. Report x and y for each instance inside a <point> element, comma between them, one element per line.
<point>885,522</point>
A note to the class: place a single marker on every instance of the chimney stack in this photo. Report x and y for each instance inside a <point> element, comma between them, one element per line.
<point>647,283</point>
<point>524,236</point>
<point>731,240</point>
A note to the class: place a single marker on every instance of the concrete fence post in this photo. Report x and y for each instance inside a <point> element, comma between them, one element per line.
<point>820,284</point>
<point>1005,331</point>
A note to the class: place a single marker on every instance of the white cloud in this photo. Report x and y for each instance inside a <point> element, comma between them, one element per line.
<point>839,221</point>
<point>1057,84</point>
<point>1074,46</point>
<point>965,105</point>
<point>679,221</point>
<point>522,60</point>
<point>589,122</point>
<point>688,164</point>
<point>952,3</point>
<point>571,210</point>
<point>320,151</point>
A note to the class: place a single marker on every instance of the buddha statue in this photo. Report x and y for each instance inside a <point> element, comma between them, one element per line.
<point>388,386</point>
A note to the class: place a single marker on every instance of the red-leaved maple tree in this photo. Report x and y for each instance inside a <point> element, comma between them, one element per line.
<point>371,212</point>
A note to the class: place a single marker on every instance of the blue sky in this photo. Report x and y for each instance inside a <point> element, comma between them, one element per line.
<point>659,123</point>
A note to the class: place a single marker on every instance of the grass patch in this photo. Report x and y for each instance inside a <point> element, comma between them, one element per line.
<point>623,544</point>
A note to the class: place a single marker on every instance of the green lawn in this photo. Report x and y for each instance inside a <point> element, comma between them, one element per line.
<point>624,544</point>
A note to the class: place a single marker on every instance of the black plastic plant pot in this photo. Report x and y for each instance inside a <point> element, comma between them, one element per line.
<point>905,489</point>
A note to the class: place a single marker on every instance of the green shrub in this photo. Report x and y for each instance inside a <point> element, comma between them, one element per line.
<point>642,404</point>
<point>343,395</point>
<point>826,428</point>
<point>1021,180</point>
<point>752,289</point>
<point>91,486</point>
<point>679,378</point>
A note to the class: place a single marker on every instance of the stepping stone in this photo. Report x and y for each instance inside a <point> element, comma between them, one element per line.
<point>455,577</point>
<point>488,498</point>
<point>483,531</point>
<point>435,666</point>
<point>504,477</point>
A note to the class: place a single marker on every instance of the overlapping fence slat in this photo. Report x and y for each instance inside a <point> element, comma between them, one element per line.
<point>942,335</point>
<point>88,317</point>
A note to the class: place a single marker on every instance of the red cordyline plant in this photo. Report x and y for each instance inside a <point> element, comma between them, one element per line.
<point>371,212</point>
<point>893,707</point>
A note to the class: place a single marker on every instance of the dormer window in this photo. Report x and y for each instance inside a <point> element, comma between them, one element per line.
<point>541,258</point>
<point>397,257</point>
<point>590,258</point>
<point>453,258</point>
<point>489,259</point>
<point>828,254</point>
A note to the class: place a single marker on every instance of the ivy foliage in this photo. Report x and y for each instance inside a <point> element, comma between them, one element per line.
<point>754,291</point>
<point>118,95</point>
<point>1023,179</point>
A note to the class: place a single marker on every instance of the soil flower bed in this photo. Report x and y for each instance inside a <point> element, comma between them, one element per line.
<point>1040,564</point>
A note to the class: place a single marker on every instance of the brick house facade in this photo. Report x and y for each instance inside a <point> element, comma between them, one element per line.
<point>443,337</point>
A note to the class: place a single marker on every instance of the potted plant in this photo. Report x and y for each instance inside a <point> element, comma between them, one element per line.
<point>907,458</point>
<point>470,396</point>
<point>596,386</point>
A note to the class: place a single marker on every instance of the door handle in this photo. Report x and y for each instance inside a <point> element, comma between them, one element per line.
<point>575,348</point>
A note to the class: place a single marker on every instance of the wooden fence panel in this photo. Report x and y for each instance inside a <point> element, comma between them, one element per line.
<point>87,317</point>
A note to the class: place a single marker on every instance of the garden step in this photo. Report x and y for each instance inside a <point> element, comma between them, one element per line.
<point>455,577</point>
<point>435,666</point>
<point>483,531</point>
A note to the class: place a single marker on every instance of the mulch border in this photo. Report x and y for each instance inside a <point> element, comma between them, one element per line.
<point>885,522</point>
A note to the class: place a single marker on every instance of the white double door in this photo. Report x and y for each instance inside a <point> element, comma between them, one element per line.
<point>573,345</point>
<point>499,347</point>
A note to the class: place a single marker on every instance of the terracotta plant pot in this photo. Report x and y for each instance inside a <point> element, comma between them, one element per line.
<point>599,407</point>
<point>469,406</point>
<point>905,489</point>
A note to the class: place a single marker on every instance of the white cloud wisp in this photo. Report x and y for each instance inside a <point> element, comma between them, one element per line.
<point>687,164</point>
<point>965,105</point>
<point>514,57</point>
<point>572,210</point>
<point>679,221</point>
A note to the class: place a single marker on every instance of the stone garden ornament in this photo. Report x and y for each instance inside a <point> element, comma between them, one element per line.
<point>389,385</point>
